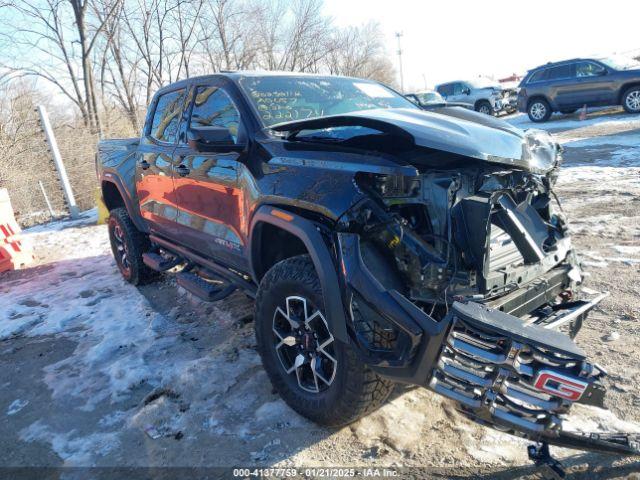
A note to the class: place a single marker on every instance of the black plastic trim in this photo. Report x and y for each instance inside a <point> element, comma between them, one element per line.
<point>137,219</point>
<point>323,262</point>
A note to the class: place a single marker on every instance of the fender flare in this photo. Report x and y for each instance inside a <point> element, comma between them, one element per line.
<point>308,233</point>
<point>126,198</point>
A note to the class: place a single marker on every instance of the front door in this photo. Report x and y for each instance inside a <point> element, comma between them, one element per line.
<point>155,164</point>
<point>593,86</point>
<point>211,206</point>
<point>458,93</point>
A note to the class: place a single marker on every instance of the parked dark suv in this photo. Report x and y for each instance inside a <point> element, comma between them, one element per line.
<point>566,86</point>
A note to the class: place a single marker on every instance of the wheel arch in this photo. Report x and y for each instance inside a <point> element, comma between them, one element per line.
<point>625,87</point>
<point>303,233</point>
<point>538,96</point>
<point>115,195</point>
<point>480,101</point>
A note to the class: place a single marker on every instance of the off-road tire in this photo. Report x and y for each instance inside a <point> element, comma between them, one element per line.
<point>483,106</point>
<point>630,99</point>
<point>135,242</point>
<point>539,105</point>
<point>355,391</point>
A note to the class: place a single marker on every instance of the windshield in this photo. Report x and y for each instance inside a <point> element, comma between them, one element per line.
<point>430,97</point>
<point>483,83</point>
<point>280,99</point>
<point>620,63</point>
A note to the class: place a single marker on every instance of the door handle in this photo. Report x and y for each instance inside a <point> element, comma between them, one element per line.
<point>144,164</point>
<point>183,170</point>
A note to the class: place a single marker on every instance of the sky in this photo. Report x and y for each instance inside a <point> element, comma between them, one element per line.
<point>462,39</point>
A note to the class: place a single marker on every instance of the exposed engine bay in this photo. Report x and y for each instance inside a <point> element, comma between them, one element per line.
<point>462,278</point>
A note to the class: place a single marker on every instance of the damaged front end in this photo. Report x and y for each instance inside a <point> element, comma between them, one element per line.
<point>465,281</point>
<point>460,276</point>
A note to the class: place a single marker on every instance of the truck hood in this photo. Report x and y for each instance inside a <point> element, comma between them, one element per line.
<point>459,131</point>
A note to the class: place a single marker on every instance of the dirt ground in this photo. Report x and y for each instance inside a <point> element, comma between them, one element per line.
<point>94,372</point>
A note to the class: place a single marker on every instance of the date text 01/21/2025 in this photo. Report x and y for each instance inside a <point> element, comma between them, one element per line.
<point>320,472</point>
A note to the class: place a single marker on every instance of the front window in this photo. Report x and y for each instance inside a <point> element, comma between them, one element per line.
<point>459,88</point>
<point>214,108</point>
<point>280,99</point>
<point>589,69</point>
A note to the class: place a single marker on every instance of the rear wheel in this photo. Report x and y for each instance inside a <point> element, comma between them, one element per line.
<point>318,376</point>
<point>128,244</point>
<point>539,110</point>
<point>484,106</point>
<point>631,100</point>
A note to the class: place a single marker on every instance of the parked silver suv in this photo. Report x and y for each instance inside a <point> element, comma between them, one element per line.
<point>486,96</point>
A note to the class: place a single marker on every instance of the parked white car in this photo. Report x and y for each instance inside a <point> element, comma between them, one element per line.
<point>485,95</point>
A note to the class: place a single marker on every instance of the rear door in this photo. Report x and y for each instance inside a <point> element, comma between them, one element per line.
<point>561,81</point>
<point>155,163</point>
<point>211,206</point>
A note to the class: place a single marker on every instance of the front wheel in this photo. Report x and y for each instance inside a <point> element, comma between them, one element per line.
<point>631,100</point>
<point>318,376</point>
<point>484,107</point>
<point>539,110</point>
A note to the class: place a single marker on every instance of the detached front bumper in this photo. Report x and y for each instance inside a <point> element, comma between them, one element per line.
<point>517,375</point>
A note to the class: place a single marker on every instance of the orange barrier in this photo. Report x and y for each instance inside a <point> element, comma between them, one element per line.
<point>13,253</point>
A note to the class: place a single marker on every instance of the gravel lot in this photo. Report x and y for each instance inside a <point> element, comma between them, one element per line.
<point>95,372</point>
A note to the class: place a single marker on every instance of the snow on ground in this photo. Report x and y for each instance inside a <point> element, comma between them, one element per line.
<point>571,124</point>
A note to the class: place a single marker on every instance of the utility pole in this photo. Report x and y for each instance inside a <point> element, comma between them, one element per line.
<point>398,35</point>
<point>57,159</point>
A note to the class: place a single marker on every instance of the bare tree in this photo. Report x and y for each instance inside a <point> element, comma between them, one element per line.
<point>359,52</point>
<point>41,30</point>
<point>228,40</point>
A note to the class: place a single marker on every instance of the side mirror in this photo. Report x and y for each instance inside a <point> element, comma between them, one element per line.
<point>212,139</point>
<point>466,91</point>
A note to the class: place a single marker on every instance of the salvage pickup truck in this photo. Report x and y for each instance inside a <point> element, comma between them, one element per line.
<point>382,243</point>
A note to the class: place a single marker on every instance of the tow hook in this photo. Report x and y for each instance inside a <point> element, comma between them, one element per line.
<point>551,468</point>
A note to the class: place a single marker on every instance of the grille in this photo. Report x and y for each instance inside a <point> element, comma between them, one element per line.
<point>492,376</point>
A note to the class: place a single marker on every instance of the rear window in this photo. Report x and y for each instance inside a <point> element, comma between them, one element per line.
<point>538,76</point>
<point>166,118</point>
<point>563,71</point>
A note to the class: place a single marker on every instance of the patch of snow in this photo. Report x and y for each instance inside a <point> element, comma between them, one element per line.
<point>589,263</point>
<point>623,140</point>
<point>74,448</point>
<point>625,260</point>
<point>16,406</point>
<point>584,418</point>
<point>88,217</point>
<point>560,121</point>
<point>626,249</point>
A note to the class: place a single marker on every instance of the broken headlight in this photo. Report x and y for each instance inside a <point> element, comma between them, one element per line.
<point>539,151</point>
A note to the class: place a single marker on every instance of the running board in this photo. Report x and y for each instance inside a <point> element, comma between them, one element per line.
<point>157,262</point>
<point>207,291</point>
